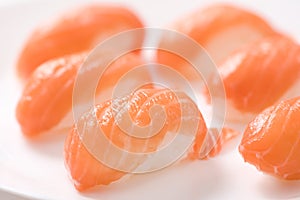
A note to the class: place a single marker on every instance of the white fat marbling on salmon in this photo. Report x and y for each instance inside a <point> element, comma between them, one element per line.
<point>234,115</point>
<point>231,39</point>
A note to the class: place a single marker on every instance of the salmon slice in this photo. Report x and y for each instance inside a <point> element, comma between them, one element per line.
<point>86,171</point>
<point>213,143</point>
<point>220,29</point>
<point>260,75</point>
<point>82,148</point>
<point>271,142</point>
<point>47,96</point>
<point>73,32</point>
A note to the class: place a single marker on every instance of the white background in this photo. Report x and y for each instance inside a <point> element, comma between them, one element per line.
<point>37,169</point>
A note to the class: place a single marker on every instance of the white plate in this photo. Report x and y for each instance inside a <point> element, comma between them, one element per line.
<point>36,169</point>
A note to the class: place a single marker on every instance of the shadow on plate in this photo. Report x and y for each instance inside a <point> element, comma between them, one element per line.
<point>184,180</point>
<point>275,188</point>
<point>50,143</point>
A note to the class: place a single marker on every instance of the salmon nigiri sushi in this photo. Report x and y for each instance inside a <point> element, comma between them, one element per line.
<point>86,171</point>
<point>47,96</point>
<point>220,29</point>
<point>271,142</point>
<point>84,166</point>
<point>260,75</point>
<point>75,31</point>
